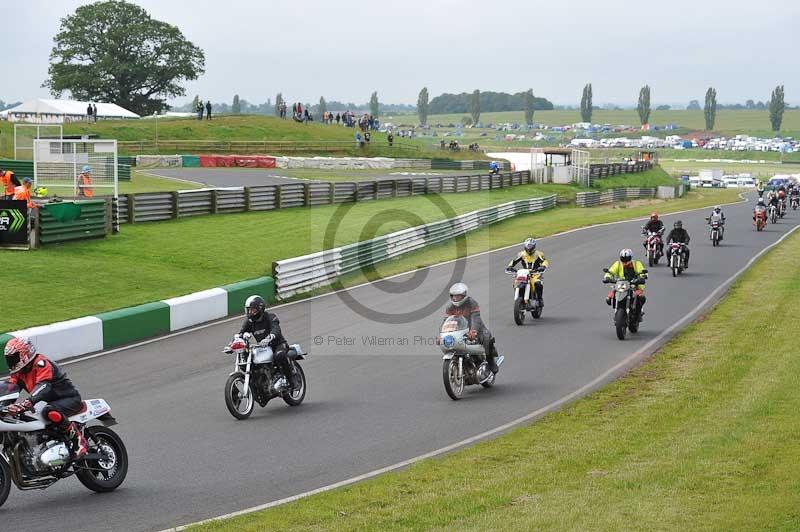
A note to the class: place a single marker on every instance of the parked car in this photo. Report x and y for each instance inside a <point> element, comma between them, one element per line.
<point>746,182</point>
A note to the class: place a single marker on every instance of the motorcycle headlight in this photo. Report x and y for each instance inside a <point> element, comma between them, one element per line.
<point>448,341</point>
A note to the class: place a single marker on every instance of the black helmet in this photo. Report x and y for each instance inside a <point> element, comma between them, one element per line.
<point>254,307</point>
<point>678,224</point>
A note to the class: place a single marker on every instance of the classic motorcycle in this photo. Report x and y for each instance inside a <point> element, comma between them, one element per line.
<point>760,219</point>
<point>677,258</point>
<point>256,379</point>
<point>794,201</point>
<point>714,232</point>
<point>781,207</point>
<point>464,360</point>
<point>627,315</point>
<point>525,283</point>
<point>653,246</point>
<point>773,214</point>
<point>35,454</point>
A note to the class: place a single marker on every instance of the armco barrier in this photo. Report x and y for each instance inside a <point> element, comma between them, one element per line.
<point>112,329</point>
<point>590,199</point>
<point>92,221</point>
<point>300,274</point>
<point>154,206</point>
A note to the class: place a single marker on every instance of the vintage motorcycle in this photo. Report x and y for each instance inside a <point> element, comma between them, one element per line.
<point>714,232</point>
<point>627,314</point>
<point>794,201</point>
<point>653,246</point>
<point>773,214</point>
<point>35,454</point>
<point>760,218</point>
<point>525,283</point>
<point>256,379</point>
<point>464,360</point>
<point>677,258</point>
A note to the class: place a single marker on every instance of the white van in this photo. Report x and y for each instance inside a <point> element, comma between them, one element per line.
<point>746,182</point>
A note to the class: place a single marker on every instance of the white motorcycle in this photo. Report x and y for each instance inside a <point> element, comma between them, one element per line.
<point>256,379</point>
<point>464,360</point>
<point>35,454</point>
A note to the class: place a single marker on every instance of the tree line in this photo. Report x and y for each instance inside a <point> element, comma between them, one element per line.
<point>489,102</point>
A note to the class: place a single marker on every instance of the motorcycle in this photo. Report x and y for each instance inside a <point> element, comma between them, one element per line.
<point>525,282</point>
<point>781,208</point>
<point>760,220</point>
<point>653,246</point>
<point>35,454</point>
<point>464,360</point>
<point>627,314</point>
<point>714,231</point>
<point>256,379</point>
<point>677,258</point>
<point>773,214</point>
<point>794,202</point>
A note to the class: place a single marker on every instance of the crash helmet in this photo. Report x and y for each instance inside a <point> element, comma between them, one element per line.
<point>626,257</point>
<point>529,245</point>
<point>678,224</point>
<point>761,201</point>
<point>19,352</point>
<point>254,307</point>
<point>717,209</point>
<point>458,294</point>
<point>653,216</point>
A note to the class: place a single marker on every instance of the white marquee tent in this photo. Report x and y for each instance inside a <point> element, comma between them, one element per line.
<point>44,111</point>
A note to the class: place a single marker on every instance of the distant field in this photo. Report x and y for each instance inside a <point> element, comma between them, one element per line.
<point>751,122</point>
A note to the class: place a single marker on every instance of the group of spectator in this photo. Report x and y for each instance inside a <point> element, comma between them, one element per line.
<point>301,115</point>
<point>200,108</point>
<point>453,145</point>
<point>91,113</point>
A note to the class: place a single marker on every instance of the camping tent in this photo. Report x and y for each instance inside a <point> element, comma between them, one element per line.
<point>44,111</point>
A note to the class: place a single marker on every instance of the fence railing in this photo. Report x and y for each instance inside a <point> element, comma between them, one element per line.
<point>64,222</point>
<point>301,274</point>
<point>605,170</point>
<point>154,206</point>
<point>134,147</point>
<point>590,199</point>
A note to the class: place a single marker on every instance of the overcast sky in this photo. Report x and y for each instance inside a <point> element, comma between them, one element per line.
<point>345,49</point>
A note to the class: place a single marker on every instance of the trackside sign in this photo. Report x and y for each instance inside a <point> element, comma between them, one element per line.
<point>13,222</point>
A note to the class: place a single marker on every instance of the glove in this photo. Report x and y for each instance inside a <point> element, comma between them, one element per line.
<point>266,341</point>
<point>472,334</point>
<point>18,408</point>
<point>511,270</point>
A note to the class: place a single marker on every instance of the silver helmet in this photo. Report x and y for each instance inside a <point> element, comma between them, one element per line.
<point>458,294</point>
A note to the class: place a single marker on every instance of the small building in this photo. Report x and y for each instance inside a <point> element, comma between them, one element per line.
<point>45,111</point>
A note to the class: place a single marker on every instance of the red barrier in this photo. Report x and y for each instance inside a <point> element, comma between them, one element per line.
<point>244,161</point>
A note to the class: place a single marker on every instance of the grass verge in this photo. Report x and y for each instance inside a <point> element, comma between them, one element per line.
<point>148,262</point>
<point>702,436</point>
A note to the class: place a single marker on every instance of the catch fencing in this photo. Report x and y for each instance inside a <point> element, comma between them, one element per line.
<point>155,206</point>
<point>301,274</point>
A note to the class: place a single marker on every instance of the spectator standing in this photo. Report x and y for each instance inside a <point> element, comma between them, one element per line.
<point>23,192</point>
<point>208,109</point>
<point>390,138</point>
<point>338,117</point>
<point>358,139</point>
<point>89,113</point>
<point>85,189</point>
<point>9,183</point>
<point>94,111</point>
<point>367,137</point>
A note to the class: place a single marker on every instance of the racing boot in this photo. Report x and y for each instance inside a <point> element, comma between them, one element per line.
<point>491,360</point>
<point>294,377</point>
<point>80,444</point>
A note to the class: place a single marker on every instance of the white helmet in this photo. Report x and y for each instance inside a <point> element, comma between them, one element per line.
<point>458,294</point>
<point>626,255</point>
<point>717,208</point>
<point>529,245</point>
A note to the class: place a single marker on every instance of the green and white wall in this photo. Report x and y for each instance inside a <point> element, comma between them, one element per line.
<point>113,329</point>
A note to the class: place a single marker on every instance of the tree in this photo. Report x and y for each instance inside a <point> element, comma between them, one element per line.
<point>750,104</point>
<point>113,51</point>
<point>776,107</point>
<point>710,109</point>
<point>323,106</point>
<point>466,120</point>
<point>195,103</point>
<point>278,103</point>
<point>475,106</point>
<point>422,106</point>
<point>644,105</point>
<point>663,108</point>
<point>586,103</point>
<point>530,101</point>
<point>373,104</point>
<point>236,107</point>
<point>694,105</point>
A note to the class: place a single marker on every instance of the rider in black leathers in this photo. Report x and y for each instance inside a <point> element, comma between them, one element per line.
<point>679,234</point>
<point>266,329</point>
<point>654,225</point>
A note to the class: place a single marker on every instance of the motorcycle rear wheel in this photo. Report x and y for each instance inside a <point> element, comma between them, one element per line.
<point>103,475</point>
<point>239,407</point>
<point>297,396</point>
<point>5,481</point>
<point>453,382</point>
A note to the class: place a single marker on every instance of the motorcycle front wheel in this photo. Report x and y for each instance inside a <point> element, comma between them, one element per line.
<point>5,480</point>
<point>519,311</point>
<point>239,403</point>
<point>453,378</point>
<point>621,322</point>
<point>107,473</point>
<point>297,396</point>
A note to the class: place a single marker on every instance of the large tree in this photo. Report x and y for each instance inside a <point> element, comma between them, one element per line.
<point>236,107</point>
<point>644,105</point>
<point>278,102</point>
<point>323,106</point>
<point>776,107</point>
<point>475,106</point>
<point>529,107</point>
<point>113,51</point>
<point>710,109</point>
<point>586,103</point>
<point>422,106</point>
<point>373,104</point>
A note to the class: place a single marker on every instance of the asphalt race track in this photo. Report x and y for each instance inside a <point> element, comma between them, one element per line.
<point>252,177</point>
<point>368,406</point>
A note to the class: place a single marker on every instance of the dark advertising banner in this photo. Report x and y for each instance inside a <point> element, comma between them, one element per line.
<point>13,223</point>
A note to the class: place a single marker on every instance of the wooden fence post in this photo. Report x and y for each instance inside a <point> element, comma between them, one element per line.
<point>278,194</point>
<point>131,208</point>
<point>332,192</point>
<point>175,205</point>
<point>246,199</point>
<point>306,195</point>
<point>214,201</point>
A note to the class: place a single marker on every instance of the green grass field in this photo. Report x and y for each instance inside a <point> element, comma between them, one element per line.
<point>703,436</point>
<point>148,261</point>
